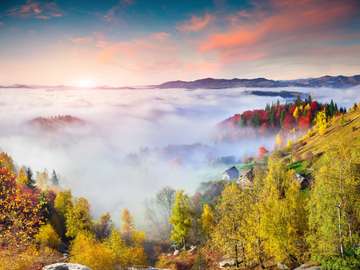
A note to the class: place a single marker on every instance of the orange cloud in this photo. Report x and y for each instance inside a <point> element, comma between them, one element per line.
<point>195,23</point>
<point>255,33</point>
<point>36,10</point>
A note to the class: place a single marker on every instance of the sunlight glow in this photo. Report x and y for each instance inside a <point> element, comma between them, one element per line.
<point>85,83</point>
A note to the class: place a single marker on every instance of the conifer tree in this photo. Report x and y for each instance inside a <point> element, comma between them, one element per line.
<point>30,181</point>
<point>54,180</point>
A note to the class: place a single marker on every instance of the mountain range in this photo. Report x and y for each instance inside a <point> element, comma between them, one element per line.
<point>211,83</point>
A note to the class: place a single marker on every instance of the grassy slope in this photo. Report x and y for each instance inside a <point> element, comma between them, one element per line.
<point>346,130</point>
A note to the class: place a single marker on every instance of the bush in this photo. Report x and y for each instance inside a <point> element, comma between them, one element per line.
<point>351,261</point>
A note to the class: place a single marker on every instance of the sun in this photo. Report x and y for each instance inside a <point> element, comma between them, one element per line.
<point>85,83</point>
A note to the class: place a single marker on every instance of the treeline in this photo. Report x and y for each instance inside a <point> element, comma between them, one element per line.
<point>276,117</point>
<point>39,222</point>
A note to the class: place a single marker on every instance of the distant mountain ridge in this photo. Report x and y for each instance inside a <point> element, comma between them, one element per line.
<point>211,83</point>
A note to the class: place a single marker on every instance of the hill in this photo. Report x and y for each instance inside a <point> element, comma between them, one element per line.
<point>211,83</point>
<point>345,127</point>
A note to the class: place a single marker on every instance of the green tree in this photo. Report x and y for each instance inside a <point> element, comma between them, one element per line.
<point>181,218</point>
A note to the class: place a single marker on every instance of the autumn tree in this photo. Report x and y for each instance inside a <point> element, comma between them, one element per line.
<point>321,122</point>
<point>180,219</point>
<point>283,219</point>
<point>229,232</point>
<point>102,228</point>
<point>207,220</point>
<point>334,207</point>
<point>20,211</point>
<point>22,177</point>
<point>78,218</point>
<point>7,162</point>
<point>127,224</point>
<point>48,237</point>
<point>86,250</point>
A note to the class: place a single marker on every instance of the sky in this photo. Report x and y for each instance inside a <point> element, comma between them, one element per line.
<point>140,42</point>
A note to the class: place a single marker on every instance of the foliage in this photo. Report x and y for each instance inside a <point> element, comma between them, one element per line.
<point>334,216</point>
<point>283,218</point>
<point>180,218</point>
<point>28,258</point>
<point>48,237</point>
<point>78,218</point>
<point>207,219</point>
<point>20,211</point>
<point>96,255</point>
<point>321,122</point>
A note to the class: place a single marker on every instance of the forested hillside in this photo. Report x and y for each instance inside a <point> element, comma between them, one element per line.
<point>301,205</point>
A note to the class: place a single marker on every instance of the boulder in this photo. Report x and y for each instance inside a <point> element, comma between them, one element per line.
<point>65,266</point>
<point>227,263</point>
<point>308,267</point>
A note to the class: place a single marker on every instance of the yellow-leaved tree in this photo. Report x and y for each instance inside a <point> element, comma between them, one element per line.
<point>48,237</point>
<point>283,216</point>
<point>86,250</point>
<point>321,122</point>
<point>334,207</point>
<point>78,218</point>
<point>207,220</point>
<point>181,219</point>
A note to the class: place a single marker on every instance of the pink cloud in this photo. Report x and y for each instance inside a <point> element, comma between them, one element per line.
<point>195,23</point>
<point>38,10</point>
<point>254,34</point>
<point>154,52</point>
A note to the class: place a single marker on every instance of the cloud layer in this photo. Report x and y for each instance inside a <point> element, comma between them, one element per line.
<point>122,157</point>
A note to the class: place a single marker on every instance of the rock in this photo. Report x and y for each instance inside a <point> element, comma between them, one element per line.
<point>282,266</point>
<point>308,267</point>
<point>176,252</point>
<point>65,266</point>
<point>227,263</point>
